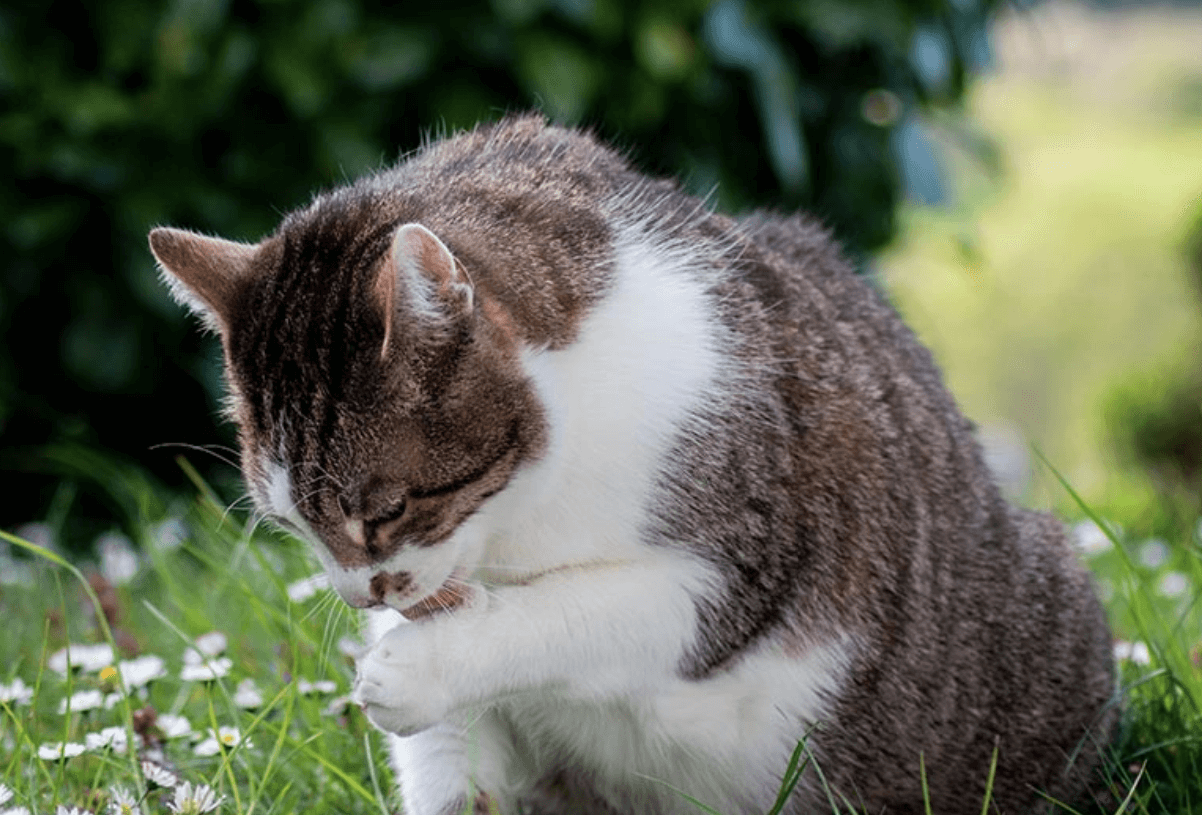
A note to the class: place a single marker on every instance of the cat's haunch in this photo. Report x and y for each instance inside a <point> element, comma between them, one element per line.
<point>662,491</point>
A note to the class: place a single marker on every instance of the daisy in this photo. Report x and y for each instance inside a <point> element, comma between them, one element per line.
<point>223,737</point>
<point>173,727</point>
<point>85,657</point>
<point>64,810</point>
<point>82,700</point>
<point>113,738</point>
<point>6,794</point>
<point>143,670</point>
<point>54,750</point>
<point>302,590</point>
<point>1173,584</point>
<point>205,672</point>
<point>337,705</point>
<point>16,693</point>
<point>248,695</point>
<point>170,534</point>
<point>206,645</point>
<point>158,775</point>
<point>320,686</point>
<point>189,800</point>
<point>123,802</point>
<point>1136,652</point>
<point>118,559</point>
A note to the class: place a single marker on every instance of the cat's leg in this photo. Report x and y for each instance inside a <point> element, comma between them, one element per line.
<point>467,759</point>
<point>454,768</point>
<point>580,631</point>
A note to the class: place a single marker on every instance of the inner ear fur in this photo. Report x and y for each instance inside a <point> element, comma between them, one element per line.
<point>422,273</point>
<point>203,273</point>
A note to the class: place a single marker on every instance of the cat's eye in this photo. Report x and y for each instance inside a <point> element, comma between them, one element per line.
<point>393,513</point>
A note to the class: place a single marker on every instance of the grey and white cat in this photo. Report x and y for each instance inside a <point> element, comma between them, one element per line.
<point>661,492</point>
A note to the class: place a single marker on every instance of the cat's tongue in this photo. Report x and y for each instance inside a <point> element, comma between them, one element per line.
<point>451,596</point>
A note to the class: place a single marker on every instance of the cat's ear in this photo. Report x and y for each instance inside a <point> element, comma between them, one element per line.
<point>203,273</point>
<point>421,269</point>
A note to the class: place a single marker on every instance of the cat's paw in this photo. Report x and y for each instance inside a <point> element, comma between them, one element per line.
<point>399,682</point>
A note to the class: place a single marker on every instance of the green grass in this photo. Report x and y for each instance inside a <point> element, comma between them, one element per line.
<point>292,755</point>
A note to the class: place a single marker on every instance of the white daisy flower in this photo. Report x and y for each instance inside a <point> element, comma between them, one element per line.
<point>1089,538</point>
<point>352,647</point>
<point>82,700</point>
<point>85,657</point>
<point>320,686</point>
<point>173,727</point>
<point>1136,652</point>
<point>16,811</point>
<point>1173,584</point>
<point>189,800</point>
<point>65,810</point>
<point>248,695</point>
<point>54,750</point>
<point>1153,553</point>
<point>170,534</point>
<point>113,738</point>
<point>337,705</point>
<point>6,794</point>
<point>304,589</point>
<point>158,775</point>
<point>123,802</point>
<point>141,671</point>
<point>206,645</point>
<point>223,738</point>
<point>213,669</point>
<point>15,572</point>
<point>118,558</point>
<point>16,693</point>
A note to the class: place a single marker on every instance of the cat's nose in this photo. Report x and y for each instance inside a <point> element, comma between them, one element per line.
<point>355,531</point>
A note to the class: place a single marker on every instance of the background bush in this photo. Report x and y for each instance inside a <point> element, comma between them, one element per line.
<point>219,116</point>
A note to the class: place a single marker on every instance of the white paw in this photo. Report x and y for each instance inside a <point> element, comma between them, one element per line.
<point>399,683</point>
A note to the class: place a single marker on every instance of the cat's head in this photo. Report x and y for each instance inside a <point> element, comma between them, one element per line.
<point>380,401</point>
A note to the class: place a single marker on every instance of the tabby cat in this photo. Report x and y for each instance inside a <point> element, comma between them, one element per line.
<point>661,493</point>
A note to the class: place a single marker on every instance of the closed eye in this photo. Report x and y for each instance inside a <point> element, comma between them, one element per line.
<point>393,513</point>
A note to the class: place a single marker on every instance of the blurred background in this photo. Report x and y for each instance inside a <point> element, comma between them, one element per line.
<point>1024,183</point>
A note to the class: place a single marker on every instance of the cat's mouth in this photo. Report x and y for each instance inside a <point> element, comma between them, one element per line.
<point>451,595</point>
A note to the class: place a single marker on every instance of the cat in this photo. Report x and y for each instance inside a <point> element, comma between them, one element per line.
<point>642,498</point>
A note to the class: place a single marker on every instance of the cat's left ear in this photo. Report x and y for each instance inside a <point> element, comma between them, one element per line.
<point>423,275</point>
<point>203,273</point>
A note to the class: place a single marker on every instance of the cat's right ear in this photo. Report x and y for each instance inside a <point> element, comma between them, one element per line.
<point>203,273</point>
<point>423,275</point>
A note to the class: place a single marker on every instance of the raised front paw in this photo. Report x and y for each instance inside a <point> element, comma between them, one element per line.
<point>399,684</point>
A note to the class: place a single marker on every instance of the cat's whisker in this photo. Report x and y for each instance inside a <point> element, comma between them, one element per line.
<point>214,450</point>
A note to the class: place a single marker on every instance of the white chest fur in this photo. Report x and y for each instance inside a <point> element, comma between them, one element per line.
<point>573,660</point>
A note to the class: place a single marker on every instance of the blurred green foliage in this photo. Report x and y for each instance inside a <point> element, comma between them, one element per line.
<point>219,116</point>
<point>1156,418</point>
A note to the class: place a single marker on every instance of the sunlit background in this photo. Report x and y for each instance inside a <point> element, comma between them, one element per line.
<point>1061,286</point>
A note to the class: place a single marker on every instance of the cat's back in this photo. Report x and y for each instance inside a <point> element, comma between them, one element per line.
<point>977,629</point>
